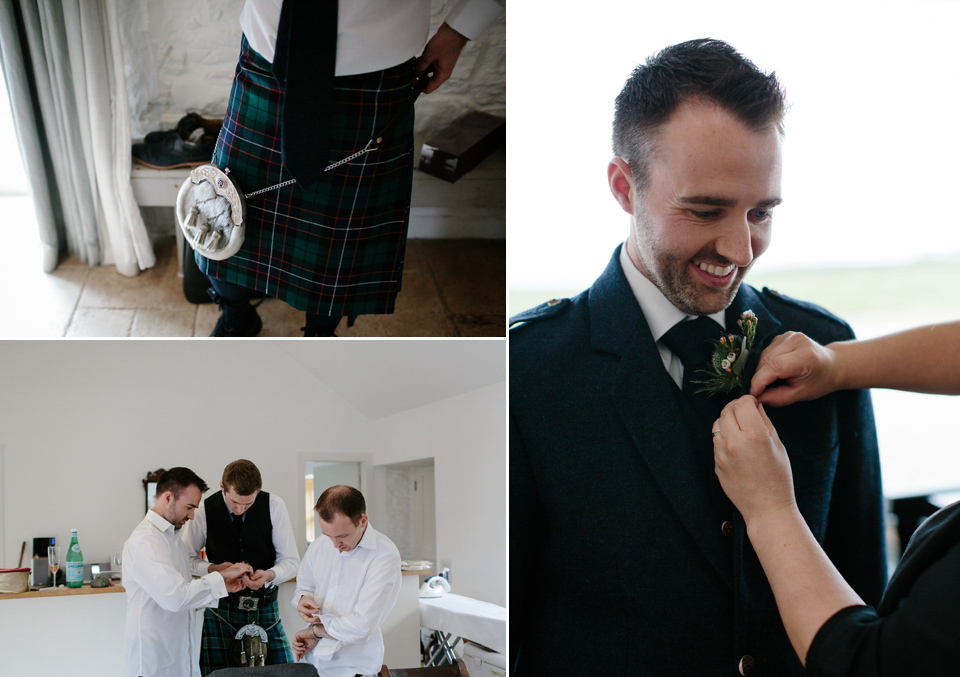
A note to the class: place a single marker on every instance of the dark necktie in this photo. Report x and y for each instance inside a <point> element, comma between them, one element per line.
<point>690,341</point>
<point>304,63</point>
<point>238,521</point>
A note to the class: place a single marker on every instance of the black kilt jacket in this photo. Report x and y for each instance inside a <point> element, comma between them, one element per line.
<point>625,556</point>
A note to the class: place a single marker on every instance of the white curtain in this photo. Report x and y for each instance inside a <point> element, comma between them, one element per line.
<point>64,70</point>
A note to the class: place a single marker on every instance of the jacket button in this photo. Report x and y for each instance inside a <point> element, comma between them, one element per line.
<point>727,530</point>
<point>553,302</point>
<point>746,665</point>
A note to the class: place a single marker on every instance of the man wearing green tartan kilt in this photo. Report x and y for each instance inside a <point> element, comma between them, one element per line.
<point>241,523</point>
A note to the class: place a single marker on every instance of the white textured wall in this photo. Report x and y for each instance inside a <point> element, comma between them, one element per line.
<point>82,423</point>
<point>466,436</point>
<point>181,56</point>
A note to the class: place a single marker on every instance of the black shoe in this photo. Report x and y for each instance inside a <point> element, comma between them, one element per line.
<point>160,137</point>
<point>187,125</point>
<point>244,326</point>
<point>310,332</point>
<point>172,151</point>
<point>320,327</point>
<point>240,324</point>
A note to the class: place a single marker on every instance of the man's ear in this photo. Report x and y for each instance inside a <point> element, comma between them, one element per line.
<point>620,180</point>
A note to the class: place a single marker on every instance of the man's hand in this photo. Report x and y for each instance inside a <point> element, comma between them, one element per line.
<point>307,607</point>
<point>442,51</point>
<point>234,574</point>
<point>219,567</point>
<point>259,578</point>
<point>303,641</point>
<point>798,369</point>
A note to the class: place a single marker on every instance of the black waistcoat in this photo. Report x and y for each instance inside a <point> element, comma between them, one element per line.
<point>253,544</point>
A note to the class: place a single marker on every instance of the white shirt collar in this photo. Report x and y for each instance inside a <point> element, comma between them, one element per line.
<point>158,520</point>
<point>369,539</point>
<point>659,312</point>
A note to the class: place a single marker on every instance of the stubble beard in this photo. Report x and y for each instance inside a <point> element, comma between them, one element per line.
<point>671,275</point>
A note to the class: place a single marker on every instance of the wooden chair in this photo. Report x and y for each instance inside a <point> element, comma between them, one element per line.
<point>459,669</point>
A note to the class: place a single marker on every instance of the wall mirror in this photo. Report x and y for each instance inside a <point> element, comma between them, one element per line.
<point>150,487</point>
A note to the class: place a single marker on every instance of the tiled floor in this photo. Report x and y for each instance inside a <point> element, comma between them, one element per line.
<point>450,288</point>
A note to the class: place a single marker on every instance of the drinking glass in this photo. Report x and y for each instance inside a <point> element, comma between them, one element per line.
<point>53,558</point>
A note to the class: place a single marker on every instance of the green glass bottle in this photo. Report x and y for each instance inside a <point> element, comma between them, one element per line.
<point>74,562</point>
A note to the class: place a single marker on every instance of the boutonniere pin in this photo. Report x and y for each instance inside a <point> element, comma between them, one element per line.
<point>725,373</point>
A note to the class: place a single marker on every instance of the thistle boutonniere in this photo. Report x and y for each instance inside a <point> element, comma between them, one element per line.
<point>725,373</point>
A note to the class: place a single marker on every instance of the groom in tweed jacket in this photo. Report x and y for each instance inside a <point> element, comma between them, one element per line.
<point>625,556</point>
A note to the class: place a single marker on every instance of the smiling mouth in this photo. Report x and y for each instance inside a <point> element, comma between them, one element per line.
<point>716,271</point>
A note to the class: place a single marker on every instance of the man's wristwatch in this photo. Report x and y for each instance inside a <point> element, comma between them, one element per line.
<point>312,626</point>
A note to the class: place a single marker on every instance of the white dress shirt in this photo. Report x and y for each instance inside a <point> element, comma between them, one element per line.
<point>284,542</point>
<point>372,35</point>
<point>161,598</point>
<point>660,313</point>
<point>355,591</point>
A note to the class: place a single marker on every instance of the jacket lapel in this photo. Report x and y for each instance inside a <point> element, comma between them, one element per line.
<point>649,405</point>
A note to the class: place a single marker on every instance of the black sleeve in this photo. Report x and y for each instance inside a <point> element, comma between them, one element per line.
<point>921,636</point>
<point>526,527</point>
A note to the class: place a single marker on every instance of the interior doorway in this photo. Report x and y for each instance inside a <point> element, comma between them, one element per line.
<point>423,521</point>
<point>322,474</point>
<point>406,507</point>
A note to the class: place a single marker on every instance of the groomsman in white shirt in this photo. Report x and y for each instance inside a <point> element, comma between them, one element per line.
<point>347,585</point>
<point>242,523</point>
<point>161,592</point>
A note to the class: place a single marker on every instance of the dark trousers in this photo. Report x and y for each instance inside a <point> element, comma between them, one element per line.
<point>236,302</point>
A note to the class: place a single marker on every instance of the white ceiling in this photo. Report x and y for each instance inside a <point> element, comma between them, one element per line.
<point>384,377</point>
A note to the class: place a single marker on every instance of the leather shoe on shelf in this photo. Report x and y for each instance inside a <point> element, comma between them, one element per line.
<point>172,151</point>
<point>188,124</point>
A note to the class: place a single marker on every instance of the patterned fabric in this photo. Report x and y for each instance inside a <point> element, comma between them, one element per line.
<point>336,248</point>
<point>218,635</point>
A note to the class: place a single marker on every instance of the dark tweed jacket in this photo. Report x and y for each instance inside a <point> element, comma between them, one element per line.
<point>625,556</point>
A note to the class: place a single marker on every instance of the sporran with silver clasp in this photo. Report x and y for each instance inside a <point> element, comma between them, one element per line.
<point>249,647</point>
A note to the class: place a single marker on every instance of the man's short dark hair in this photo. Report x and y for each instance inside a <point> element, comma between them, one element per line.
<point>242,476</point>
<point>178,479</point>
<point>341,499</point>
<point>705,69</point>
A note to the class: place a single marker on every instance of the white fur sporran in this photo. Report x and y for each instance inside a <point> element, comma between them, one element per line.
<point>211,212</point>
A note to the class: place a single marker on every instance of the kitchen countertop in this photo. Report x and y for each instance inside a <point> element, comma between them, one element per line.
<point>63,591</point>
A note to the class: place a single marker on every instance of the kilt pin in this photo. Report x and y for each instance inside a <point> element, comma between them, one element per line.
<point>336,248</point>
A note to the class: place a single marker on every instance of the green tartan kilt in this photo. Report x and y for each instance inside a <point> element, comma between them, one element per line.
<point>337,248</point>
<point>218,635</point>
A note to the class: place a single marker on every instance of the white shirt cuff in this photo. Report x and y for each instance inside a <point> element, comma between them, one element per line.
<point>217,585</point>
<point>470,18</point>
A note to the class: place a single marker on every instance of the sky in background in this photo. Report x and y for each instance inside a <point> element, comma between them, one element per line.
<point>871,153</point>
